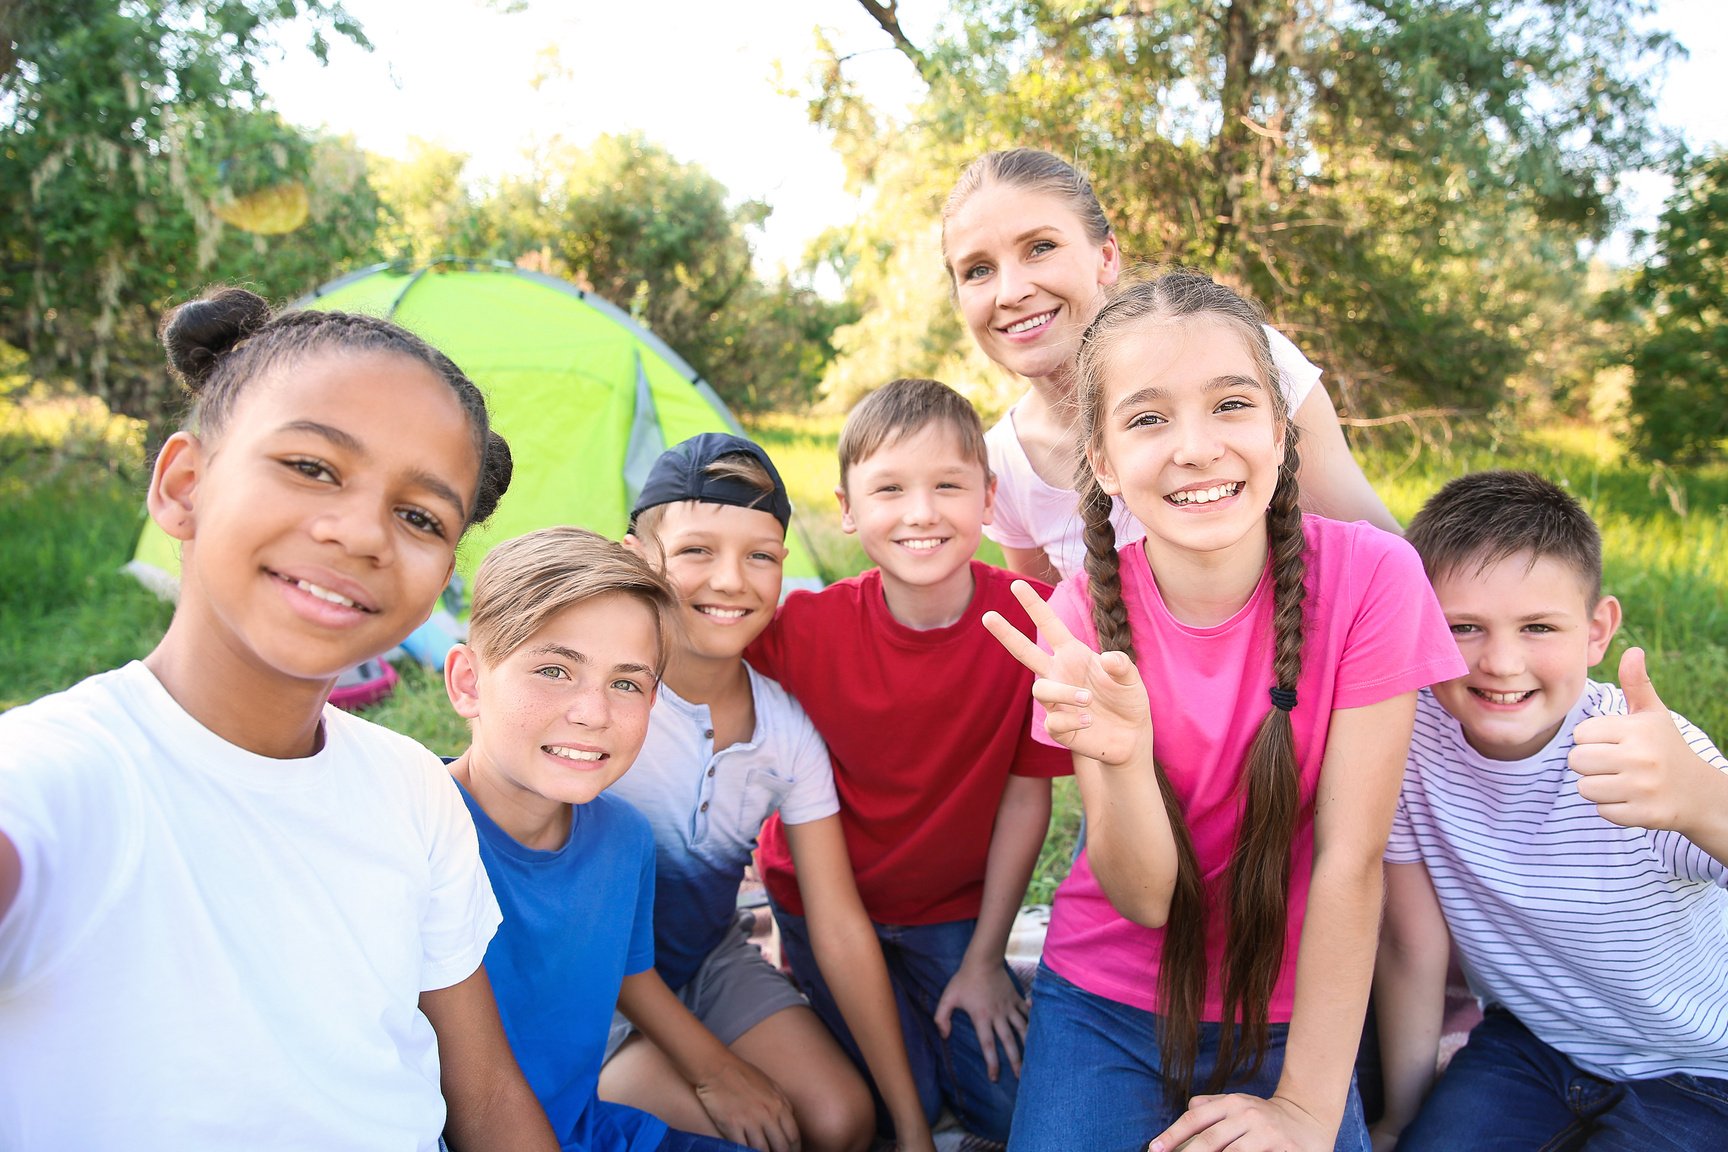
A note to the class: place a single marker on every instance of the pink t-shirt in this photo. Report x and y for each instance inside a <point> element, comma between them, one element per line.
<point>1374,631</point>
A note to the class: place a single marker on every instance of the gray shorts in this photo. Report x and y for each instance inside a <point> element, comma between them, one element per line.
<point>734,990</point>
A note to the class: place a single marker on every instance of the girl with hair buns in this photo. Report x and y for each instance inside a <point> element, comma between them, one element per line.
<point>1031,252</point>
<point>231,916</point>
<point>1208,958</point>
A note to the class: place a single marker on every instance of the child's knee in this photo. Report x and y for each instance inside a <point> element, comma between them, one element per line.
<point>837,1117</point>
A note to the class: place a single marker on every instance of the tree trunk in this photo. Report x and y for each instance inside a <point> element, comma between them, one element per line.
<point>1232,152</point>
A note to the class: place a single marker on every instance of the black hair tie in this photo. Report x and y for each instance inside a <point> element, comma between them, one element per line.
<point>1283,699</point>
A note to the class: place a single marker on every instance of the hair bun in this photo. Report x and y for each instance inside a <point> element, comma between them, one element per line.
<point>497,466</point>
<point>197,333</point>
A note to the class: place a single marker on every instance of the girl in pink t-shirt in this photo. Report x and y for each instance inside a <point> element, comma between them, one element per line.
<point>1217,933</point>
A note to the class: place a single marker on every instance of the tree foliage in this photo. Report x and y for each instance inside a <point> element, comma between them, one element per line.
<point>426,209</point>
<point>128,132</point>
<point>1400,181</point>
<point>1679,393</point>
<point>645,230</point>
<point>657,236</point>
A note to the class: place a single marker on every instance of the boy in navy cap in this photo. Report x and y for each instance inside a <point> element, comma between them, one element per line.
<point>726,749</point>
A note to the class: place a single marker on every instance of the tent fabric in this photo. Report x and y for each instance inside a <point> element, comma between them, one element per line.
<point>586,397</point>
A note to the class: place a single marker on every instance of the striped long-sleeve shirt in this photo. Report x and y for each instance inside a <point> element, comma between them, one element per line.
<point>1609,943</point>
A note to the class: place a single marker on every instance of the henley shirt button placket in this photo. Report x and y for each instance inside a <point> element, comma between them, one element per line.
<point>701,809</point>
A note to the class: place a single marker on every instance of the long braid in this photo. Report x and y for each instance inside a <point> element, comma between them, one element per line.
<point>1104,568</point>
<point>1182,972</point>
<point>1259,874</point>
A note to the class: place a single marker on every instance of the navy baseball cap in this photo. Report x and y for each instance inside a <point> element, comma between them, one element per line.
<point>681,473</point>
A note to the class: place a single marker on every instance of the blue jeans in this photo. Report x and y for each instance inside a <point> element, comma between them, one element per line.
<point>1093,1077</point>
<point>1507,1091</point>
<point>921,960</point>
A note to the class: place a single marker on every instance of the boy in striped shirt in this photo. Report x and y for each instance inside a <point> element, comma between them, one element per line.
<point>1570,838</point>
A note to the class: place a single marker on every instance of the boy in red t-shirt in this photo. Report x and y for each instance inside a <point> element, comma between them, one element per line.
<point>944,795</point>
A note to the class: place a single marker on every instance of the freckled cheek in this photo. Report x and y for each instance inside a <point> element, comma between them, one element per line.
<point>628,732</point>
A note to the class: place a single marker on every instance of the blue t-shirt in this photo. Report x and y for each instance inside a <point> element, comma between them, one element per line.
<point>576,922</point>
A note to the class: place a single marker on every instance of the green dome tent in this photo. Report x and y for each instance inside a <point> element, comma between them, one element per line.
<point>586,397</point>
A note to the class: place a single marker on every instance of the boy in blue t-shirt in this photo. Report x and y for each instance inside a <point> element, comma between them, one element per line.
<point>565,651</point>
<point>1571,838</point>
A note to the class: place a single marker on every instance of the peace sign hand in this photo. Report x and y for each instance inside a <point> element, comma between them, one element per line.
<point>1095,704</point>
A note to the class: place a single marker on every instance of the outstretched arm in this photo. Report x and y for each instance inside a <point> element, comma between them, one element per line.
<point>1639,772</point>
<point>1332,482</point>
<point>850,958</point>
<point>1359,778</point>
<point>1409,995</point>
<point>1095,706</point>
<point>745,1106</point>
<point>490,1104</point>
<point>981,987</point>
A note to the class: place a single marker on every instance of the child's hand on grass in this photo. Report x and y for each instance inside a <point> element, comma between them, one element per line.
<point>998,1011</point>
<point>749,1108</point>
<point>1637,768</point>
<point>1094,704</point>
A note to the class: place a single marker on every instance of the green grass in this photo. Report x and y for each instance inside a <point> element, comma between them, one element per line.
<point>72,480</point>
<point>71,504</point>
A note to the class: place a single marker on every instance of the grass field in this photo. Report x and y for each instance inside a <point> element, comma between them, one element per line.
<point>72,479</point>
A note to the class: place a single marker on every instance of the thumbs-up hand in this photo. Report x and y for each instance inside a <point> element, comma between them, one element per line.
<point>1636,768</point>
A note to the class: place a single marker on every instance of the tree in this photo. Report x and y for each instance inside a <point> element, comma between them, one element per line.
<point>1398,180</point>
<point>653,234</point>
<point>1679,393</point>
<point>427,211</point>
<point>657,236</point>
<point>127,133</point>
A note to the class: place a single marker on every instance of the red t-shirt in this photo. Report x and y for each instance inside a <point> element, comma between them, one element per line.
<point>923,727</point>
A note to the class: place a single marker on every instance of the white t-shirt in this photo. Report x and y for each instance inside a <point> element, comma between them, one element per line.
<point>217,950</point>
<point>1609,943</point>
<point>1031,513</point>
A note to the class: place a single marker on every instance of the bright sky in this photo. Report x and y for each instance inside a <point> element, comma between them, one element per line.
<point>709,82</point>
